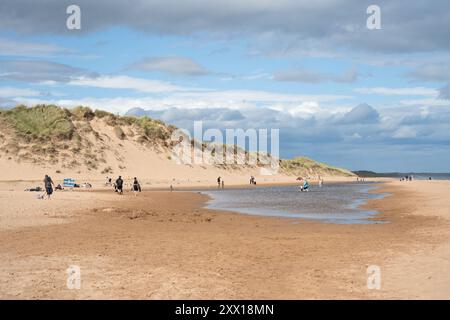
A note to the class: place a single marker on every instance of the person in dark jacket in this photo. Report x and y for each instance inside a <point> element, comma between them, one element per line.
<point>48,182</point>
<point>136,186</point>
<point>119,185</point>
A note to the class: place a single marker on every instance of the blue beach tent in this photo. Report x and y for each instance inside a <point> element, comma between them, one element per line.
<point>69,183</point>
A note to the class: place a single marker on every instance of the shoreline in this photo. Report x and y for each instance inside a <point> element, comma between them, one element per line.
<point>99,185</point>
<point>164,245</point>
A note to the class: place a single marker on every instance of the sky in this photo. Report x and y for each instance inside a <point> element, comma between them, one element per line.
<point>339,92</point>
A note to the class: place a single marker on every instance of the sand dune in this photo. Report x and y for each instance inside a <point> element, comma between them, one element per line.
<point>89,146</point>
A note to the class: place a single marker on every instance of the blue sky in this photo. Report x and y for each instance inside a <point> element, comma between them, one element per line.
<point>338,92</point>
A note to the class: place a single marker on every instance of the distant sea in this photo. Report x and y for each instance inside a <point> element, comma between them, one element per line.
<point>331,203</point>
<point>426,176</point>
<point>416,175</point>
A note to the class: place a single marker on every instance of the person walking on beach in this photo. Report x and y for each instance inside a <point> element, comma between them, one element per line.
<point>119,185</point>
<point>223,184</point>
<point>48,182</point>
<point>136,187</point>
<point>218,182</point>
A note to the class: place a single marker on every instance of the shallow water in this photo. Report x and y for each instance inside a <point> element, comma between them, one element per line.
<point>332,203</point>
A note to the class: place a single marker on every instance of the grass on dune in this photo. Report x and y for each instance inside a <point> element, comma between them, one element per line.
<point>50,121</point>
<point>42,121</point>
<point>304,165</point>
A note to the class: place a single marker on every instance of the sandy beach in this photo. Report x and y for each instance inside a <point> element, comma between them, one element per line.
<point>164,245</point>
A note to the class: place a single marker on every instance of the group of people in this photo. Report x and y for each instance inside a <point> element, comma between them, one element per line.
<point>303,187</point>
<point>118,185</point>
<point>407,178</point>
<point>220,183</point>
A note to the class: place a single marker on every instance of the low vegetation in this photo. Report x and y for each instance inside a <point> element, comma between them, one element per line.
<point>48,133</point>
<point>50,121</point>
<point>40,122</point>
<point>303,166</point>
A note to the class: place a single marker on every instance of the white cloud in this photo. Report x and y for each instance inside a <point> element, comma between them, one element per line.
<point>425,102</point>
<point>313,76</point>
<point>171,95</point>
<point>259,96</point>
<point>10,92</point>
<point>295,105</point>
<point>256,76</point>
<point>39,71</point>
<point>415,91</point>
<point>434,72</point>
<point>307,109</point>
<point>404,133</point>
<point>126,82</point>
<point>172,65</point>
<point>17,48</point>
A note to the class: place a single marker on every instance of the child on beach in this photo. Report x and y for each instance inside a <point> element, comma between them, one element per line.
<point>136,187</point>
<point>305,186</point>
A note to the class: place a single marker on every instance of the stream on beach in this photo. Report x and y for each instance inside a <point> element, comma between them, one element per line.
<point>331,203</point>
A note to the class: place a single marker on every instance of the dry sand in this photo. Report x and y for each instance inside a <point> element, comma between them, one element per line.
<point>164,245</point>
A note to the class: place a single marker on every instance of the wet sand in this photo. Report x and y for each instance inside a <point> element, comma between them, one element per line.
<point>164,245</point>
